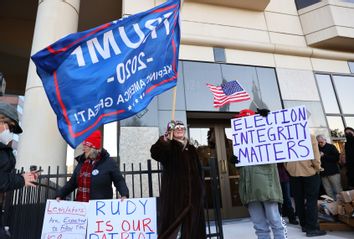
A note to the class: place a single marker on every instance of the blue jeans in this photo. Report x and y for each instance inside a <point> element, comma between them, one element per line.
<point>332,185</point>
<point>266,216</point>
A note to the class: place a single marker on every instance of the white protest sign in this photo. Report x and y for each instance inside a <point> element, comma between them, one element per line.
<point>282,136</point>
<point>127,219</point>
<point>64,220</point>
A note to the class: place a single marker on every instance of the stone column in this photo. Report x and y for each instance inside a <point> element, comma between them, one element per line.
<point>41,143</point>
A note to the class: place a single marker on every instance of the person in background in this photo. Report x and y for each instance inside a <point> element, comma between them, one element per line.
<point>260,192</point>
<point>182,191</point>
<point>9,180</point>
<point>287,207</point>
<point>330,175</point>
<point>349,155</point>
<point>305,184</point>
<point>94,174</point>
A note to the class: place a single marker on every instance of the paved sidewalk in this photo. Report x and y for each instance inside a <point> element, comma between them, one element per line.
<point>243,229</point>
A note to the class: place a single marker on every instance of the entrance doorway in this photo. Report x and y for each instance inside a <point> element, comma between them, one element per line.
<point>213,141</point>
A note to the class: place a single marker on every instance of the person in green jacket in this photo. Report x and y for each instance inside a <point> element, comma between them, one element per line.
<point>260,192</point>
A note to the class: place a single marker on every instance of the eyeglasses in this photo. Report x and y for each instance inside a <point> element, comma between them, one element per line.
<point>180,127</point>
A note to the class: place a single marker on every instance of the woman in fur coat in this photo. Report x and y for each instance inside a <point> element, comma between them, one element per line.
<point>182,192</point>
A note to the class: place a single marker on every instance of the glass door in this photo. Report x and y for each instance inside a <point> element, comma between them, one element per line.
<point>214,141</point>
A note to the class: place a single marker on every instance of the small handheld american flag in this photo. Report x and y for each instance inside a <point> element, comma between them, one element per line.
<point>227,93</point>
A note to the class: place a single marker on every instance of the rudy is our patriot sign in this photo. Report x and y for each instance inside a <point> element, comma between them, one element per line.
<point>110,72</point>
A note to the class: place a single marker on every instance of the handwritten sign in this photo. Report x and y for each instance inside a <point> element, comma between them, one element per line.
<point>282,136</point>
<point>64,220</point>
<point>127,219</point>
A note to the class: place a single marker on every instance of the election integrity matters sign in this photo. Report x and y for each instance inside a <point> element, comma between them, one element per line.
<point>111,72</point>
<point>282,136</point>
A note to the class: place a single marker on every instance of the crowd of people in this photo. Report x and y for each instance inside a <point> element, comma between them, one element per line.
<point>270,192</point>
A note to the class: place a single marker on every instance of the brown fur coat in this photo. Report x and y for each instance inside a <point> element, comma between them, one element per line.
<point>182,190</point>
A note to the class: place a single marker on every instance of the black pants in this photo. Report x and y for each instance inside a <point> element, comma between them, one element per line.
<point>350,176</point>
<point>287,207</point>
<point>3,234</point>
<point>306,190</point>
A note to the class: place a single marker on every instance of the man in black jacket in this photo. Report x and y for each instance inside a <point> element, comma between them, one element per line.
<point>8,179</point>
<point>9,126</point>
<point>330,175</point>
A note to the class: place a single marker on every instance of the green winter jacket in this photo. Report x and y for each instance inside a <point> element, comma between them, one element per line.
<point>260,183</point>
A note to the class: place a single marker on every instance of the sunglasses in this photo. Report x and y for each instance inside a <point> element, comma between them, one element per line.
<point>180,127</point>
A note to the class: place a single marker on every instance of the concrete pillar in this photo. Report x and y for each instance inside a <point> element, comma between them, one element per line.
<point>41,143</point>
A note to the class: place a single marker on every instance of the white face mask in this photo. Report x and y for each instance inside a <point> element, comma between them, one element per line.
<point>6,136</point>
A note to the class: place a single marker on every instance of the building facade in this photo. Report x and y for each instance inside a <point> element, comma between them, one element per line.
<point>284,53</point>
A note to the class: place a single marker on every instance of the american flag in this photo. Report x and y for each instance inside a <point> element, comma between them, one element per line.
<point>228,92</point>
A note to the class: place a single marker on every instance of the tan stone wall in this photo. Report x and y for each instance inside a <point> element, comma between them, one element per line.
<point>134,149</point>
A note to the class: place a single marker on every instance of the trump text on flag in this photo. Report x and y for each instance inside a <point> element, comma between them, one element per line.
<point>124,219</point>
<point>282,136</point>
<point>110,72</point>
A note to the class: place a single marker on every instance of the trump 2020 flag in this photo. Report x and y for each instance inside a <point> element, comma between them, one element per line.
<point>227,93</point>
<point>110,72</point>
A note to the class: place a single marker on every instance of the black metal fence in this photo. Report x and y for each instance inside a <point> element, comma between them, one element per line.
<point>24,208</point>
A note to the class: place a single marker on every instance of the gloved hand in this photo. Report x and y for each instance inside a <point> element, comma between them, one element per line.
<point>263,112</point>
<point>234,159</point>
<point>170,127</point>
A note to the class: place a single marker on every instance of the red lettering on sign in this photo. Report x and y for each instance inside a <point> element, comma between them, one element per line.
<point>109,226</point>
<point>125,226</point>
<point>146,222</point>
<point>98,226</point>
<point>136,225</point>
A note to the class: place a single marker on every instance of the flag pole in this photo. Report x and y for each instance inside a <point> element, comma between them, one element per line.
<point>174,96</point>
<point>255,104</point>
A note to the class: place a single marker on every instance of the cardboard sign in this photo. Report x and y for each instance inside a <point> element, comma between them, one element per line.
<point>64,220</point>
<point>282,136</point>
<point>127,219</point>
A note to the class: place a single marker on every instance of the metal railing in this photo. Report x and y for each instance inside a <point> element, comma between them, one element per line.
<point>24,208</point>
